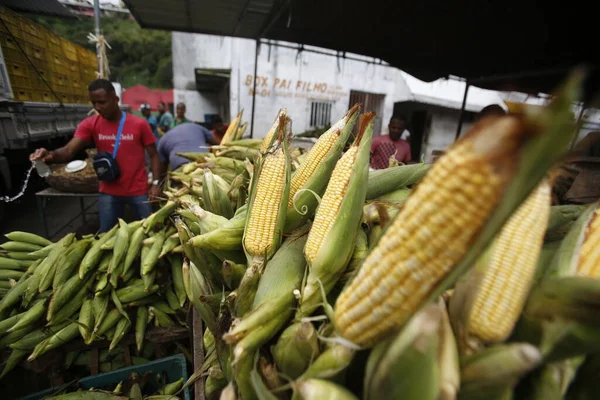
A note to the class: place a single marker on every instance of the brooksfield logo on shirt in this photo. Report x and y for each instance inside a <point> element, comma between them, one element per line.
<point>124,136</point>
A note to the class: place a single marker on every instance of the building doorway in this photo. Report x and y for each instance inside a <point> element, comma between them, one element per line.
<point>370,102</point>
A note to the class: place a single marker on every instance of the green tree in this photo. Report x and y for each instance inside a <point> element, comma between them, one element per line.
<point>137,56</point>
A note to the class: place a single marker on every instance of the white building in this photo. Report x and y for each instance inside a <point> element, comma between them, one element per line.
<point>215,75</point>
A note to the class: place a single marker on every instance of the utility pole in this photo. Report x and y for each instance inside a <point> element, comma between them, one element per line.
<point>98,33</point>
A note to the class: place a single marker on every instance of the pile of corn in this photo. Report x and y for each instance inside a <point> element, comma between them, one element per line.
<point>318,279</point>
<point>90,289</point>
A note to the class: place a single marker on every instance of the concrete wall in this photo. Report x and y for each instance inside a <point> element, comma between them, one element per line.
<point>285,78</point>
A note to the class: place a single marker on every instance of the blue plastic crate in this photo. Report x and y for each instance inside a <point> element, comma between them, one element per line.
<point>174,366</point>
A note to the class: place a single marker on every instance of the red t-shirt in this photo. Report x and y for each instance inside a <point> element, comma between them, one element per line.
<point>382,147</point>
<point>135,137</point>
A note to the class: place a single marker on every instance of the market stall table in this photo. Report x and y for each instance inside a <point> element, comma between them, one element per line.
<point>44,195</point>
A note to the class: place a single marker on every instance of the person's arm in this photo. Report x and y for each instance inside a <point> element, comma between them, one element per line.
<point>210,138</point>
<point>60,155</point>
<point>157,172</point>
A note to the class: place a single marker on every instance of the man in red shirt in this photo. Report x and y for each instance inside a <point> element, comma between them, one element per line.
<point>384,146</point>
<point>132,186</point>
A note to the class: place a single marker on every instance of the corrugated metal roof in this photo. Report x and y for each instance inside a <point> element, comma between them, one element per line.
<point>40,7</point>
<point>241,18</point>
<point>511,40</point>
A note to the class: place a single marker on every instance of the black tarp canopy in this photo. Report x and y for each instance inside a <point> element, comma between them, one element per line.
<point>524,45</point>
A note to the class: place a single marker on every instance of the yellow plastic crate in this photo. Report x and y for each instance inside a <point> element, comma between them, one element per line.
<point>69,50</point>
<point>17,68</point>
<point>53,43</point>
<point>11,28</point>
<point>24,82</point>
<point>86,57</point>
<point>11,54</point>
<point>23,94</point>
<point>60,82</point>
<point>57,62</point>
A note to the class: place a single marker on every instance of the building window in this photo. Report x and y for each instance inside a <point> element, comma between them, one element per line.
<point>320,114</point>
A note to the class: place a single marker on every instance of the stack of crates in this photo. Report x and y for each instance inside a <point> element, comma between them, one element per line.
<point>32,52</point>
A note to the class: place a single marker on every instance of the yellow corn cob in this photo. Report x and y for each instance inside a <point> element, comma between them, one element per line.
<point>263,218</point>
<point>589,260</point>
<point>432,232</point>
<point>330,205</point>
<point>510,268</point>
<point>312,161</point>
<point>230,133</point>
<point>269,136</point>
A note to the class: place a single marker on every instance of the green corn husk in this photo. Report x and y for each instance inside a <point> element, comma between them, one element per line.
<point>215,195</point>
<point>550,382</point>
<point>63,336</point>
<point>30,340</point>
<point>315,389</point>
<point>21,247</point>
<point>177,278</point>
<point>305,202</point>
<point>30,316</point>
<point>48,267</point>
<point>361,249</point>
<point>75,255</point>
<point>585,384</point>
<point>43,252</point>
<point>26,237</point>
<point>73,305</point>
<point>249,143</point>
<point>330,363</point>
<point>384,181</point>
<point>226,237</point>
<point>194,156</point>
<point>397,197</point>
<point>274,293</point>
<point>328,264</point>
<point>159,216</point>
<point>205,220</point>
<point>92,257</point>
<point>561,219</point>
<point>134,248</point>
<point>16,356</point>
<point>196,286</point>
<point>496,370</point>
<point>12,297</point>
<point>233,273</point>
<point>566,259</point>
<point>561,317</point>
<point>140,327</point>
<point>121,330</point>
<point>99,310</point>
<point>119,250</point>
<point>215,383</point>
<point>279,142</point>
<point>420,362</point>
<point>202,259</point>
<point>151,258</point>
<point>296,348</point>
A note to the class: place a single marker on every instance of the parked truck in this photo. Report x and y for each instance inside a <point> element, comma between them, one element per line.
<point>43,92</point>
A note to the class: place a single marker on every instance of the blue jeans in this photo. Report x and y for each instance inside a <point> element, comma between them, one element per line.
<point>112,207</point>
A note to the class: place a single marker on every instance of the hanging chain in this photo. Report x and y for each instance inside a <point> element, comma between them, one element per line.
<point>23,188</point>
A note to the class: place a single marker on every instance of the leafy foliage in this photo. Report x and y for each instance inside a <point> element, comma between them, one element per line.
<point>138,56</point>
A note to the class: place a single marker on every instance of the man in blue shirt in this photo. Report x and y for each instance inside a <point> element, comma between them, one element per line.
<point>147,113</point>
<point>165,118</point>
<point>187,137</point>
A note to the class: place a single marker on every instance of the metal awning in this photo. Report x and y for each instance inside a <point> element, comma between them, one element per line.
<point>39,7</point>
<point>523,45</point>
